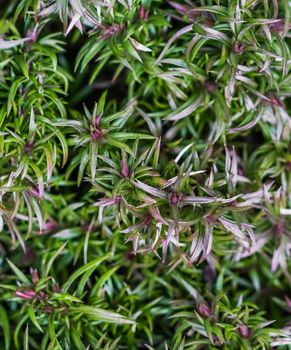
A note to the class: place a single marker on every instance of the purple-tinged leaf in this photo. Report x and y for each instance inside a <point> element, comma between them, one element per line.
<point>155,213</point>
<point>247,126</point>
<point>256,197</point>
<point>107,202</point>
<point>207,239</point>
<point>8,44</point>
<point>74,22</point>
<point>151,190</point>
<point>196,248</point>
<point>236,230</point>
<point>197,200</point>
<point>179,33</point>
<point>38,174</point>
<point>186,109</point>
<point>138,46</point>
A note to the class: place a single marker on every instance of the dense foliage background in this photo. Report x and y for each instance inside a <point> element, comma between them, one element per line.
<point>145,174</point>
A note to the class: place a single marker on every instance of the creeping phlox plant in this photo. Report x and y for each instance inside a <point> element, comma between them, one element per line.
<point>145,174</point>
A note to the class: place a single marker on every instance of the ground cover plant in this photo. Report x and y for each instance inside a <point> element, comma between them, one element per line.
<point>145,174</point>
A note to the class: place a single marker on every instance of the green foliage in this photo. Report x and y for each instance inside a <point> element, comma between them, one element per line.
<point>145,174</point>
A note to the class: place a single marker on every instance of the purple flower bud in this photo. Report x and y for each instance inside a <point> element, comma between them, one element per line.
<point>279,228</point>
<point>288,302</point>
<point>237,48</point>
<point>244,331</point>
<point>209,86</point>
<point>34,192</point>
<point>26,294</point>
<point>211,219</point>
<point>217,342</point>
<point>28,148</point>
<point>124,168</point>
<point>34,275</point>
<point>56,288</point>
<point>48,309</point>
<point>276,101</point>
<point>174,197</point>
<point>96,134</point>
<point>277,26</point>
<point>96,120</point>
<point>42,295</point>
<point>143,13</point>
<point>203,309</point>
<point>49,226</point>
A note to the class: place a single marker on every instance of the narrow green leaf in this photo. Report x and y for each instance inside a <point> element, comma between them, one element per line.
<point>23,66</point>
<point>121,145</point>
<point>32,317</point>
<point>83,269</point>
<point>101,103</point>
<point>4,323</point>
<point>26,339</point>
<point>53,258</point>
<point>12,92</point>
<point>18,273</point>
<point>103,279</point>
<point>101,315</point>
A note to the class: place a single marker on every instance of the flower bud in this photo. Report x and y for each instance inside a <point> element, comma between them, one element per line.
<point>28,148</point>
<point>49,226</point>
<point>288,302</point>
<point>277,26</point>
<point>124,168</point>
<point>143,13</point>
<point>48,309</point>
<point>237,47</point>
<point>174,197</point>
<point>217,342</point>
<point>96,120</point>
<point>244,331</point>
<point>209,86</point>
<point>56,288</point>
<point>26,294</point>
<point>279,228</point>
<point>42,295</point>
<point>211,219</point>
<point>203,309</point>
<point>34,275</point>
<point>276,101</point>
<point>34,192</point>
<point>96,134</point>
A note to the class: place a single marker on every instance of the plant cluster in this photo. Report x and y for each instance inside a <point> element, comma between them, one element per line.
<point>145,174</point>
